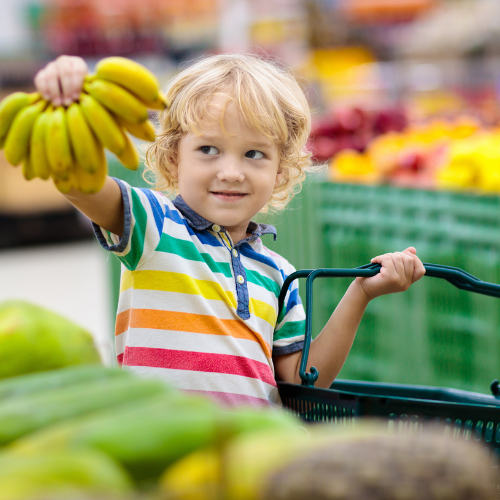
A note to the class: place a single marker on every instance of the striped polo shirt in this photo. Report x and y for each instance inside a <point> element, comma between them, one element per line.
<point>196,310</point>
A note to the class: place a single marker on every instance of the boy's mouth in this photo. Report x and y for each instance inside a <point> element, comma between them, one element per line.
<point>228,195</point>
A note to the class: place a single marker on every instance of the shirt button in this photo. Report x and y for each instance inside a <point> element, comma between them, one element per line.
<point>235,252</point>
<point>216,228</point>
<point>240,279</point>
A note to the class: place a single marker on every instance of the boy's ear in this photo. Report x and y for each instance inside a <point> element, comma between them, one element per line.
<point>174,171</point>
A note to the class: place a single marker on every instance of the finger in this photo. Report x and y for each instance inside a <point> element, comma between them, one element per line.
<point>411,250</point>
<point>399,260</point>
<point>54,84</point>
<point>409,266</point>
<point>387,263</point>
<point>418,269</point>
<point>80,70</point>
<point>41,84</point>
<point>48,80</point>
<point>71,79</point>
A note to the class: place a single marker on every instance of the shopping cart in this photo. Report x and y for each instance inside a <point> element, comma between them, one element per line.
<point>467,415</point>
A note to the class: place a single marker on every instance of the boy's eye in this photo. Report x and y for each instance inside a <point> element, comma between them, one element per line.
<point>209,150</point>
<point>254,154</point>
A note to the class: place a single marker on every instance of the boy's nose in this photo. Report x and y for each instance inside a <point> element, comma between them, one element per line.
<point>230,171</point>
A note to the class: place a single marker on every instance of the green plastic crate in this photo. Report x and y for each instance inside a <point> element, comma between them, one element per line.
<point>432,334</point>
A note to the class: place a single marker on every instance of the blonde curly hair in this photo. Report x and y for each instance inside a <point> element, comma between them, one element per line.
<point>270,99</point>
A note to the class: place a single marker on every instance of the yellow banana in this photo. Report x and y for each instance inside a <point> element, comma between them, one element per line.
<point>57,143</point>
<point>117,100</point>
<point>130,157</point>
<point>103,124</point>
<point>87,182</point>
<point>18,138</point>
<point>10,107</point>
<point>144,131</point>
<point>28,172</point>
<point>159,103</point>
<point>86,147</point>
<point>131,75</point>
<point>38,154</point>
<point>64,185</point>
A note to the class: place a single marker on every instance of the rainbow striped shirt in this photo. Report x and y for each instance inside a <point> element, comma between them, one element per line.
<point>196,310</point>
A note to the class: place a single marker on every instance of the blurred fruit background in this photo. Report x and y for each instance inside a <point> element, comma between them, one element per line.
<point>405,97</point>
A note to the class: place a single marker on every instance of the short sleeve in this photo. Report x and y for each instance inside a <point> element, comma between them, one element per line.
<point>144,214</point>
<point>290,328</point>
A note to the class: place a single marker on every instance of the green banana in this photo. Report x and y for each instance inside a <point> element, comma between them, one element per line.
<point>57,144</point>
<point>131,75</point>
<point>103,124</point>
<point>38,154</point>
<point>144,131</point>
<point>117,100</point>
<point>91,182</point>
<point>22,416</point>
<point>18,138</point>
<point>27,168</point>
<point>86,147</point>
<point>130,158</point>
<point>62,474</point>
<point>32,383</point>
<point>143,436</point>
<point>10,106</point>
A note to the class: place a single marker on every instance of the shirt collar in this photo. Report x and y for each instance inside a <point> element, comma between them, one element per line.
<point>199,223</point>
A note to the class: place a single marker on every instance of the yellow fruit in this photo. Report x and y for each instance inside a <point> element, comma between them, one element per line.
<point>91,182</point>
<point>28,172</point>
<point>159,103</point>
<point>65,185</point>
<point>18,138</point>
<point>117,100</point>
<point>38,155</point>
<point>197,476</point>
<point>131,75</point>
<point>130,158</point>
<point>62,474</point>
<point>10,107</point>
<point>87,150</point>
<point>57,144</point>
<point>103,124</point>
<point>144,131</point>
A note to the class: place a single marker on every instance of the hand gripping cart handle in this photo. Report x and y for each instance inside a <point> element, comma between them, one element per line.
<point>454,275</point>
<point>465,414</point>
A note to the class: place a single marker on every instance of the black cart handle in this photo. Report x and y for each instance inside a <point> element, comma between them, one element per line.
<point>456,276</point>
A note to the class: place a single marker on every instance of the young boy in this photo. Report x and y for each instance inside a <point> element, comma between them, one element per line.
<point>199,290</point>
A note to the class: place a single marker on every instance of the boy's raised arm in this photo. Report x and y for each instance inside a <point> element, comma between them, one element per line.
<point>330,348</point>
<point>104,208</point>
<point>61,82</point>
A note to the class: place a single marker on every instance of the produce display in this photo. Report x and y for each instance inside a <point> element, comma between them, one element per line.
<point>35,339</point>
<point>73,428</point>
<point>353,128</point>
<point>67,143</point>
<point>455,154</point>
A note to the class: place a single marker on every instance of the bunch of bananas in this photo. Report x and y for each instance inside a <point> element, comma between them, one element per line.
<point>67,143</point>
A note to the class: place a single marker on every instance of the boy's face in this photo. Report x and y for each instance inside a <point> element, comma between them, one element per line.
<point>227,176</point>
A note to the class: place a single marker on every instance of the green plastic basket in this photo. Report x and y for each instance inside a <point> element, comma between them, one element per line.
<point>465,414</point>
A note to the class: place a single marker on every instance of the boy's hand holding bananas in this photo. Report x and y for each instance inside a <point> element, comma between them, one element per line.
<point>65,141</point>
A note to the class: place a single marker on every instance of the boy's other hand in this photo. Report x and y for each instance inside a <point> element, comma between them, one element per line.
<point>61,81</point>
<point>399,271</point>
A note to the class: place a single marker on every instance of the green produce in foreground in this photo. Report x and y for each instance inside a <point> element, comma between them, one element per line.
<point>32,383</point>
<point>147,437</point>
<point>34,339</point>
<point>62,475</point>
<point>21,416</point>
